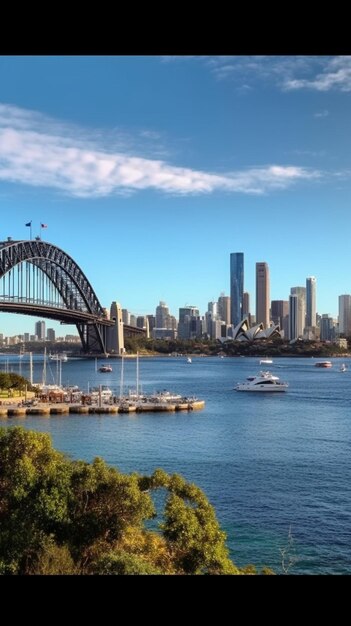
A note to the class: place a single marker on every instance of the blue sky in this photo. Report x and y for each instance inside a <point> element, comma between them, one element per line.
<point>149,171</point>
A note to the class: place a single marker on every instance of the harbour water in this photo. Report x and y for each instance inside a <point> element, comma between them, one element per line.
<point>267,462</point>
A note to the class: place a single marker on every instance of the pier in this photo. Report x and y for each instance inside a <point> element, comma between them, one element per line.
<point>122,406</point>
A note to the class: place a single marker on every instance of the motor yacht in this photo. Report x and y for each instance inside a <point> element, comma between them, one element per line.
<point>323,364</point>
<point>264,381</point>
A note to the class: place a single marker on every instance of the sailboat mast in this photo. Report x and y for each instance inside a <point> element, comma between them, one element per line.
<point>122,377</point>
<point>137,375</point>
<point>44,368</point>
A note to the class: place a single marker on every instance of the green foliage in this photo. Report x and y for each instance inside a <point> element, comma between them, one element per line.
<point>59,516</point>
<point>10,380</point>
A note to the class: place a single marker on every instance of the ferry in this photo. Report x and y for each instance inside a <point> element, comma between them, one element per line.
<point>323,364</point>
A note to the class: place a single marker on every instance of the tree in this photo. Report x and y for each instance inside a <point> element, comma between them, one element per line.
<point>59,516</point>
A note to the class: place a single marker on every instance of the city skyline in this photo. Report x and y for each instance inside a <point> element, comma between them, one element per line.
<point>150,199</point>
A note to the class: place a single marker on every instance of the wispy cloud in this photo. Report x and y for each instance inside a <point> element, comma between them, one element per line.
<point>336,74</point>
<point>324,113</point>
<point>288,73</point>
<point>36,150</point>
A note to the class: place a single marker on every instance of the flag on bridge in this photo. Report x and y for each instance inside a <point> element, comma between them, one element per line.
<point>29,223</point>
<point>43,225</point>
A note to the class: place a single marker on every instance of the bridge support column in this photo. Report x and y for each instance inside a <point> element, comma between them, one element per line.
<point>114,334</point>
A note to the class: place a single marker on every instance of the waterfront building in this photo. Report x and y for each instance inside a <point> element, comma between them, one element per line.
<point>236,286</point>
<point>345,315</point>
<point>262,294</point>
<point>327,328</point>
<point>311,319</point>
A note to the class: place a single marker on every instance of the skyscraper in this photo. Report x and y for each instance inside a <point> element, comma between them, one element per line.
<point>345,315</point>
<point>223,308</point>
<point>262,294</point>
<point>246,304</point>
<point>311,283</point>
<point>40,330</point>
<point>293,317</point>
<point>236,286</point>
<point>300,292</point>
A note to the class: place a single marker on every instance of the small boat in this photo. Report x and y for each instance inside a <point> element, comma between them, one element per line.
<point>58,357</point>
<point>264,381</point>
<point>105,368</point>
<point>189,360</point>
<point>323,364</point>
<point>266,362</point>
<point>343,367</point>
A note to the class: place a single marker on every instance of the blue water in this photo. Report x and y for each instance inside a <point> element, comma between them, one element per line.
<point>267,462</point>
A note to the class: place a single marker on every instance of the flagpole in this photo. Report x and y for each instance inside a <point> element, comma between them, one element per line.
<point>30,232</point>
<point>40,230</point>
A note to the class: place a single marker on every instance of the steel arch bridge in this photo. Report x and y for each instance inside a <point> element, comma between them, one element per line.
<point>38,278</point>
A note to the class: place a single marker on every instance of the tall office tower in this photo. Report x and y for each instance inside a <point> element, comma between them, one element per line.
<point>132,320</point>
<point>50,334</point>
<point>26,337</point>
<point>293,317</point>
<point>223,308</point>
<point>115,336</point>
<point>212,308</point>
<point>162,312</point>
<point>141,321</point>
<point>262,294</point>
<point>246,304</point>
<point>40,330</point>
<point>126,317</point>
<point>327,328</point>
<point>345,315</point>
<point>186,315</point>
<point>236,287</point>
<point>311,319</point>
<point>300,292</point>
<point>279,311</point>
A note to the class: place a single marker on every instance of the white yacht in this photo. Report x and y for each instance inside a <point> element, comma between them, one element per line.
<point>189,360</point>
<point>343,367</point>
<point>264,381</point>
<point>266,362</point>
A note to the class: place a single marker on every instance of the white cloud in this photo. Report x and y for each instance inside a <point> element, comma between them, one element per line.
<point>289,73</point>
<point>36,150</point>
<point>336,74</point>
<point>324,113</point>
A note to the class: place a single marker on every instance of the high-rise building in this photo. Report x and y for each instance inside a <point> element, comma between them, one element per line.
<point>345,315</point>
<point>40,330</point>
<point>236,287</point>
<point>293,317</point>
<point>246,304</point>
<point>223,308</point>
<point>186,325</point>
<point>327,328</point>
<point>162,313</point>
<point>126,317</point>
<point>262,294</point>
<point>300,292</point>
<point>311,319</point>
<point>50,334</point>
<point>279,310</point>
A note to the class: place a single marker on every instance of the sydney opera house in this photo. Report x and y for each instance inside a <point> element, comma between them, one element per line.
<point>243,332</point>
